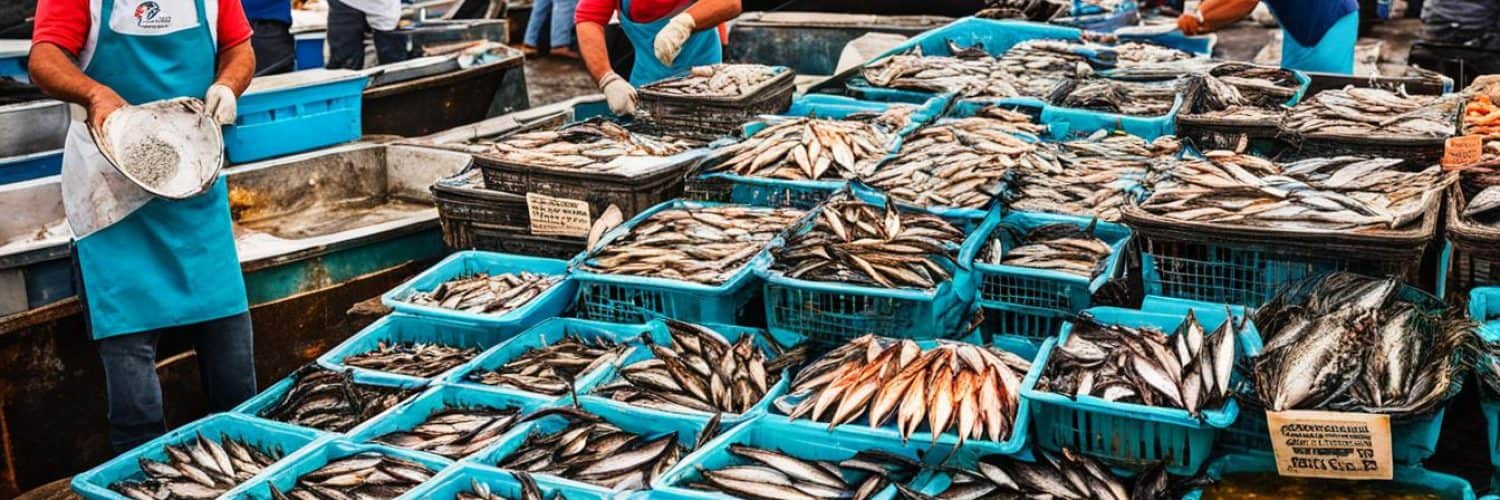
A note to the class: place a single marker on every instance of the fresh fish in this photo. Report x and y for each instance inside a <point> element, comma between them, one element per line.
<point>595,145</point>
<point>331,401</point>
<point>1093,176</point>
<point>968,73</point>
<point>807,149</point>
<point>699,371</point>
<point>1071,476</point>
<point>591,450</point>
<point>854,242</point>
<point>719,80</point>
<point>1115,96</point>
<point>487,294</point>
<point>1025,10</point>
<point>552,369</point>
<point>961,162</point>
<point>198,468</point>
<point>417,359</point>
<point>1482,208</point>
<point>529,490</point>
<point>700,244</point>
<point>454,432</point>
<point>368,475</point>
<point>1372,112</point>
<point>768,474</point>
<point>1059,247</point>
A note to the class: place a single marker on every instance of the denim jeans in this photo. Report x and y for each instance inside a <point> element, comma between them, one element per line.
<point>226,365</point>
<point>346,39</point>
<point>554,15</point>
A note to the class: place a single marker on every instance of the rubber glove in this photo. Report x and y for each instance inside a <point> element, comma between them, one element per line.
<point>219,103</point>
<point>671,38</point>
<point>619,94</point>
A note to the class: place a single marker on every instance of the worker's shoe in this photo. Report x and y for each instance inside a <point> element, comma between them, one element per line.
<point>565,52</point>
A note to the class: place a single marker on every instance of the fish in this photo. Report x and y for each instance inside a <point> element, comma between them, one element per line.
<point>594,451</point>
<point>706,244</point>
<point>1059,247</point>
<point>1031,68</point>
<point>1189,370</point>
<point>700,371</point>
<point>1025,10</point>
<point>806,149</point>
<point>854,242</point>
<point>1116,96</point>
<point>370,474</point>
<point>454,432</point>
<point>551,369</point>
<point>1068,476</point>
<point>331,401</point>
<point>591,145</point>
<point>484,293</point>
<point>718,80</point>
<point>1092,176</point>
<point>1373,113</point>
<point>1345,193</point>
<point>968,73</point>
<point>771,473</point>
<point>198,467</point>
<point>1482,208</point>
<point>417,359</point>
<point>960,162</point>
<point>970,390</point>
<point>529,490</point>
<point>1353,343</point>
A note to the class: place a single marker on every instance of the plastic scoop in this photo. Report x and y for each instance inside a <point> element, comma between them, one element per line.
<point>169,148</point>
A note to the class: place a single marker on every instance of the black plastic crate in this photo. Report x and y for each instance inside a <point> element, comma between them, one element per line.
<point>710,117</point>
<point>467,235</point>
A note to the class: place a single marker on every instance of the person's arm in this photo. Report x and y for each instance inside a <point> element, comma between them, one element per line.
<point>236,67</point>
<point>709,14</point>
<point>595,51</point>
<point>57,74</point>
<point>1215,14</point>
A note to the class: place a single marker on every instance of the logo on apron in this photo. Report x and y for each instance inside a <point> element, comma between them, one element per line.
<point>148,15</point>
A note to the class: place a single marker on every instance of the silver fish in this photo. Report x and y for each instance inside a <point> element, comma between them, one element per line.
<point>1093,176</point>
<point>780,474</point>
<point>417,359</point>
<point>1060,247</point>
<point>551,369</point>
<point>198,468</point>
<point>701,244</point>
<point>331,401</point>
<point>487,294</point>
<point>960,162</point>
<point>591,145</point>
<point>854,242</point>
<point>806,149</point>
<point>719,80</point>
<point>591,450</point>
<point>1372,112</point>
<point>365,475</point>
<point>454,432</point>
<point>699,371</point>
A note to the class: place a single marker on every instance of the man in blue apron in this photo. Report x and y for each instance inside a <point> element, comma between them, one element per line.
<point>669,37</point>
<point>149,266</point>
<point>1316,35</point>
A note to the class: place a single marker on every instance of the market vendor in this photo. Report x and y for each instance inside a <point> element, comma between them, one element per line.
<point>275,47</point>
<point>1316,35</point>
<point>669,38</point>
<point>350,20</point>
<point>149,266</point>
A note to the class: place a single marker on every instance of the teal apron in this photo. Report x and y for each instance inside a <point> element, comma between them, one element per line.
<point>168,262</point>
<point>702,48</point>
<point>1334,53</point>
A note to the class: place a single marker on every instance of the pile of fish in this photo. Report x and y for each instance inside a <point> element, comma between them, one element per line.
<point>366,475</point>
<point>1090,177</point>
<point>588,145</point>
<point>1267,86</point>
<point>1210,97</point>
<point>1072,476</point>
<point>1116,96</point>
<point>960,162</point>
<point>1037,67</point>
<point>1372,112</point>
<point>454,432</point>
<point>591,450</point>
<point>971,390</point>
<point>862,244</point>
<point>417,359</point>
<point>1189,369</point>
<point>331,401</point>
<point>1025,10</point>
<point>487,294</point>
<point>1319,194</point>
<point>700,371</point>
<point>552,369</point>
<point>529,490</point>
<point>1345,342</point>
<point>1481,187</point>
<point>968,72</point>
<point>1059,247</point>
<point>719,80</point>
<point>197,468</point>
<point>701,244</point>
<point>776,474</point>
<point>806,149</point>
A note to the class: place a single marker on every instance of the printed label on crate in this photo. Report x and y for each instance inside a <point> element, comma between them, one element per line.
<point>1331,444</point>
<point>1462,150</point>
<point>557,216</point>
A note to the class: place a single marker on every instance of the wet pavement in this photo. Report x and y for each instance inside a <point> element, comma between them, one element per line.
<point>553,79</point>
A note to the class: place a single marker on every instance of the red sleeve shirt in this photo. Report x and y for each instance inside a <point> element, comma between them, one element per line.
<point>641,11</point>
<point>65,23</point>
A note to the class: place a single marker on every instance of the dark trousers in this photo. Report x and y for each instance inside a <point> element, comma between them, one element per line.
<point>275,49</point>
<point>226,365</point>
<point>346,39</point>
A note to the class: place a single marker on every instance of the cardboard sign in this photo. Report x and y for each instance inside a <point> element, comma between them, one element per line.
<point>1331,444</point>
<point>1462,150</point>
<point>557,216</point>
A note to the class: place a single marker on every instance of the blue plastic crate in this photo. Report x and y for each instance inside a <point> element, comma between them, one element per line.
<point>774,433</point>
<point>686,427</point>
<point>1038,297</point>
<point>1144,126</point>
<point>461,478</point>
<point>1131,435</point>
<point>266,435</point>
<point>412,413</point>
<point>1449,487</point>
<point>995,36</point>
<point>285,474</point>
<point>296,118</point>
<point>548,304</point>
<point>30,166</point>
<point>1491,409</point>
<point>1016,444</point>
<point>544,334</point>
<point>309,50</point>
<point>1484,308</point>
<point>272,395</point>
<point>638,299</point>
<point>1091,17</point>
<point>401,328</point>
<point>660,335</point>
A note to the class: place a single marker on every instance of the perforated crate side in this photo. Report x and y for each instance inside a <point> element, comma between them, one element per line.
<point>1242,276</point>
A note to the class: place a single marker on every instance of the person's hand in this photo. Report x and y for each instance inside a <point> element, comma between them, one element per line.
<point>619,94</point>
<point>102,101</point>
<point>671,38</point>
<point>1189,24</point>
<point>220,103</point>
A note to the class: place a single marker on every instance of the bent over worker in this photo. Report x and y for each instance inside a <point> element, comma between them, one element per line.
<point>669,38</point>
<point>1316,35</point>
<point>149,266</point>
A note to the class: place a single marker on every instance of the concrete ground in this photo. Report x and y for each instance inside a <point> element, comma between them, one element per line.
<point>553,79</point>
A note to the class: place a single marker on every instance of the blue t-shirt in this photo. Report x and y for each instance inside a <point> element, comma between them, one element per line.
<point>268,10</point>
<point>1307,20</point>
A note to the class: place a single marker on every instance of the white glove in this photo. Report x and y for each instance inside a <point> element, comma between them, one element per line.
<point>669,41</point>
<point>619,94</point>
<point>219,102</point>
